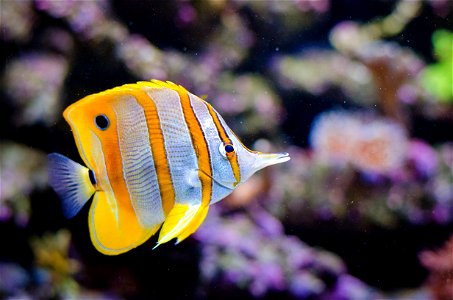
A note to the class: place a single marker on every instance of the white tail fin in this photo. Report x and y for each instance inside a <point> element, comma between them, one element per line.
<point>71,181</point>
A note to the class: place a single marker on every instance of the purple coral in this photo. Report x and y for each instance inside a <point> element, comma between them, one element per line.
<point>252,252</point>
<point>423,157</point>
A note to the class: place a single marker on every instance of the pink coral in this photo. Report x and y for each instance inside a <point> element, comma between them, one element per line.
<point>370,144</point>
<point>440,265</point>
<point>35,94</point>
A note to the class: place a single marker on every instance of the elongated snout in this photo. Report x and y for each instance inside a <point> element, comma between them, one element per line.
<point>268,159</point>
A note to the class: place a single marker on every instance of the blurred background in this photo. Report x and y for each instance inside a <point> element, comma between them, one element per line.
<point>360,93</point>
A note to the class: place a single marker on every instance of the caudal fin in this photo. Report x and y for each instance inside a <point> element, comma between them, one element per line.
<point>71,181</point>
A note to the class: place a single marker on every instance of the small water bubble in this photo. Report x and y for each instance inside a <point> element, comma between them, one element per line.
<point>277,49</point>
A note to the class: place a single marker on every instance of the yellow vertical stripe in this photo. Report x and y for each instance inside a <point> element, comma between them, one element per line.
<point>200,145</point>
<point>232,158</point>
<point>139,171</point>
<point>156,139</point>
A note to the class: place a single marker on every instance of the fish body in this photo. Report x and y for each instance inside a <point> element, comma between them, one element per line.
<point>156,156</point>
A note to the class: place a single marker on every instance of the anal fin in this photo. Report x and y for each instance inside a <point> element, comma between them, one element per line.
<point>115,230</point>
<point>181,222</point>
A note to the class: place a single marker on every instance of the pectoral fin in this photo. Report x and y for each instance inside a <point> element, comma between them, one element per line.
<point>182,221</point>
<point>114,229</point>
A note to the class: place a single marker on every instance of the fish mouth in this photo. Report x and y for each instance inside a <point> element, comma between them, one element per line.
<point>216,181</point>
<point>268,159</point>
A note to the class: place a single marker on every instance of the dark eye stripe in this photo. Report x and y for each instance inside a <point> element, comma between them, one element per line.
<point>234,163</point>
<point>102,122</point>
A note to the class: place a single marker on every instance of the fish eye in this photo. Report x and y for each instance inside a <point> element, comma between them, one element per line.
<point>229,148</point>
<point>102,122</point>
<point>224,149</point>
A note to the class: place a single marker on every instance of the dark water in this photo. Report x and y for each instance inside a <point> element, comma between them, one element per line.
<point>383,256</point>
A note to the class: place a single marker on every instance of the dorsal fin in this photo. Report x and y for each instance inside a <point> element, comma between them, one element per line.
<point>154,83</point>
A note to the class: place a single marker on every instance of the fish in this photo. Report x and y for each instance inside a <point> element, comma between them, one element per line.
<point>156,157</point>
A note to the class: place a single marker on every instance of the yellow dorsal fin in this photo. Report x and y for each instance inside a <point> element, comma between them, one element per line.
<point>182,221</point>
<point>154,83</point>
